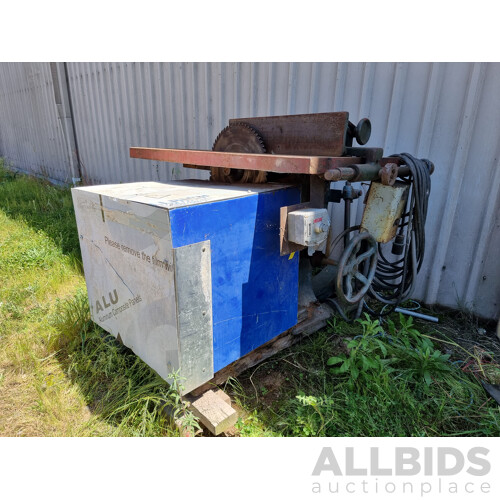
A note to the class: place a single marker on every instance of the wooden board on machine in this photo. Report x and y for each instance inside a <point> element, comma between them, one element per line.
<point>319,134</point>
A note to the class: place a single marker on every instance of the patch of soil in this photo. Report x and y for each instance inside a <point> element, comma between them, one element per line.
<point>266,384</point>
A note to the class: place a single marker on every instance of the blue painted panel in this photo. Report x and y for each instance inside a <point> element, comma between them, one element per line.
<point>254,289</point>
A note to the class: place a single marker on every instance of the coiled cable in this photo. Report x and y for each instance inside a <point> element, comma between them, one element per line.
<point>394,280</point>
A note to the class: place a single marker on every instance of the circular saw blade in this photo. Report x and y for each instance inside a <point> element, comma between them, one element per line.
<point>238,138</point>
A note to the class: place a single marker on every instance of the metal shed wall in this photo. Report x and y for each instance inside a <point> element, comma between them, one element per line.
<point>31,133</point>
<point>448,112</point>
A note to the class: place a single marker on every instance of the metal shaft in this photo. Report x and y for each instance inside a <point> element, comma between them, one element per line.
<point>417,315</point>
<point>362,172</point>
<point>347,220</point>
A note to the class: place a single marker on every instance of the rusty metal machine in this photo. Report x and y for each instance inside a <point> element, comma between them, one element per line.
<point>381,256</point>
<point>209,277</point>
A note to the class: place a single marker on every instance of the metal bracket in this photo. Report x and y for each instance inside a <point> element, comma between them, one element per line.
<point>334,196</point>
<point>347,193</point>
<point>287,247</point>
<point>372,155</point>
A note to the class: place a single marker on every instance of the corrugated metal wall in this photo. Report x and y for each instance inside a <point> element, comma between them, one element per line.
<point>448,112</point>
<point>31,134</point>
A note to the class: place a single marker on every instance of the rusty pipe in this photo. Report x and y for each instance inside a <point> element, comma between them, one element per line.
<point>353,173</point>
<point>363,172</point>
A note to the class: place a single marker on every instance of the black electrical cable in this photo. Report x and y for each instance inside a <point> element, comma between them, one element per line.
<point>394,280</point>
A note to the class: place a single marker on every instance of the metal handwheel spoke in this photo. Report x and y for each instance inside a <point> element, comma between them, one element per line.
<point>347,270</point>
<point>356,269</point>
<point>349,286</point>
<point>363,256</point>
<point>362,278</point>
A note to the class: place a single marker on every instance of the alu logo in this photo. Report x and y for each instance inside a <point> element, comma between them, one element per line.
<point>113,299</point>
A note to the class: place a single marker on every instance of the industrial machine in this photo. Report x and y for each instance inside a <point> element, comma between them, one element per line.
<point>195,275</point>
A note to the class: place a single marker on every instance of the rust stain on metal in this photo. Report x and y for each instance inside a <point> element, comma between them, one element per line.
<point>319,134</point>
<point>290,164</point>
<point>388,174</point>
<point>384,207</point>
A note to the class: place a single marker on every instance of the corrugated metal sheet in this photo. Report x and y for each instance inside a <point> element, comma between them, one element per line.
<point>31,134</point>
<point>448,112</point>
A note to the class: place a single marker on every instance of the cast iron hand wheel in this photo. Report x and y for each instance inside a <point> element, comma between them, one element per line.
<point>356,270</point>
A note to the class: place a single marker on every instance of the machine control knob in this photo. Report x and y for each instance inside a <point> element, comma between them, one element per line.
<point>363,131</point>
<point>321,228</point>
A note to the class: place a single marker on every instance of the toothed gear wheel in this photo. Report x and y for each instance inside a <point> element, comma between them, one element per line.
<point>238,138</point>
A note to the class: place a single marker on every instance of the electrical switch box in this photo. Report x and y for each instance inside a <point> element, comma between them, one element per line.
<point>309,227</point>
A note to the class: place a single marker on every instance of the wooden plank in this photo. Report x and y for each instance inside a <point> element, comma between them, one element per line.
<point>214,412</point>
<point>288,164</point>
<point>317,316</point>
<point>287,247</point>
<point>318,134</point>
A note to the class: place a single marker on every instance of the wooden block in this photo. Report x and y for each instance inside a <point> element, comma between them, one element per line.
<point>191,398</point>
<point>219,392</point>
<point>214,413</point>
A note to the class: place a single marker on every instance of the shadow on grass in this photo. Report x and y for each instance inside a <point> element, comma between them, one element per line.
<point>118,387</point>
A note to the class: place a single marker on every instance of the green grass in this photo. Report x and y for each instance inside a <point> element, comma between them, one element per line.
<point>45,208</point>
<point>61,375</point>
<point>367,379</point>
